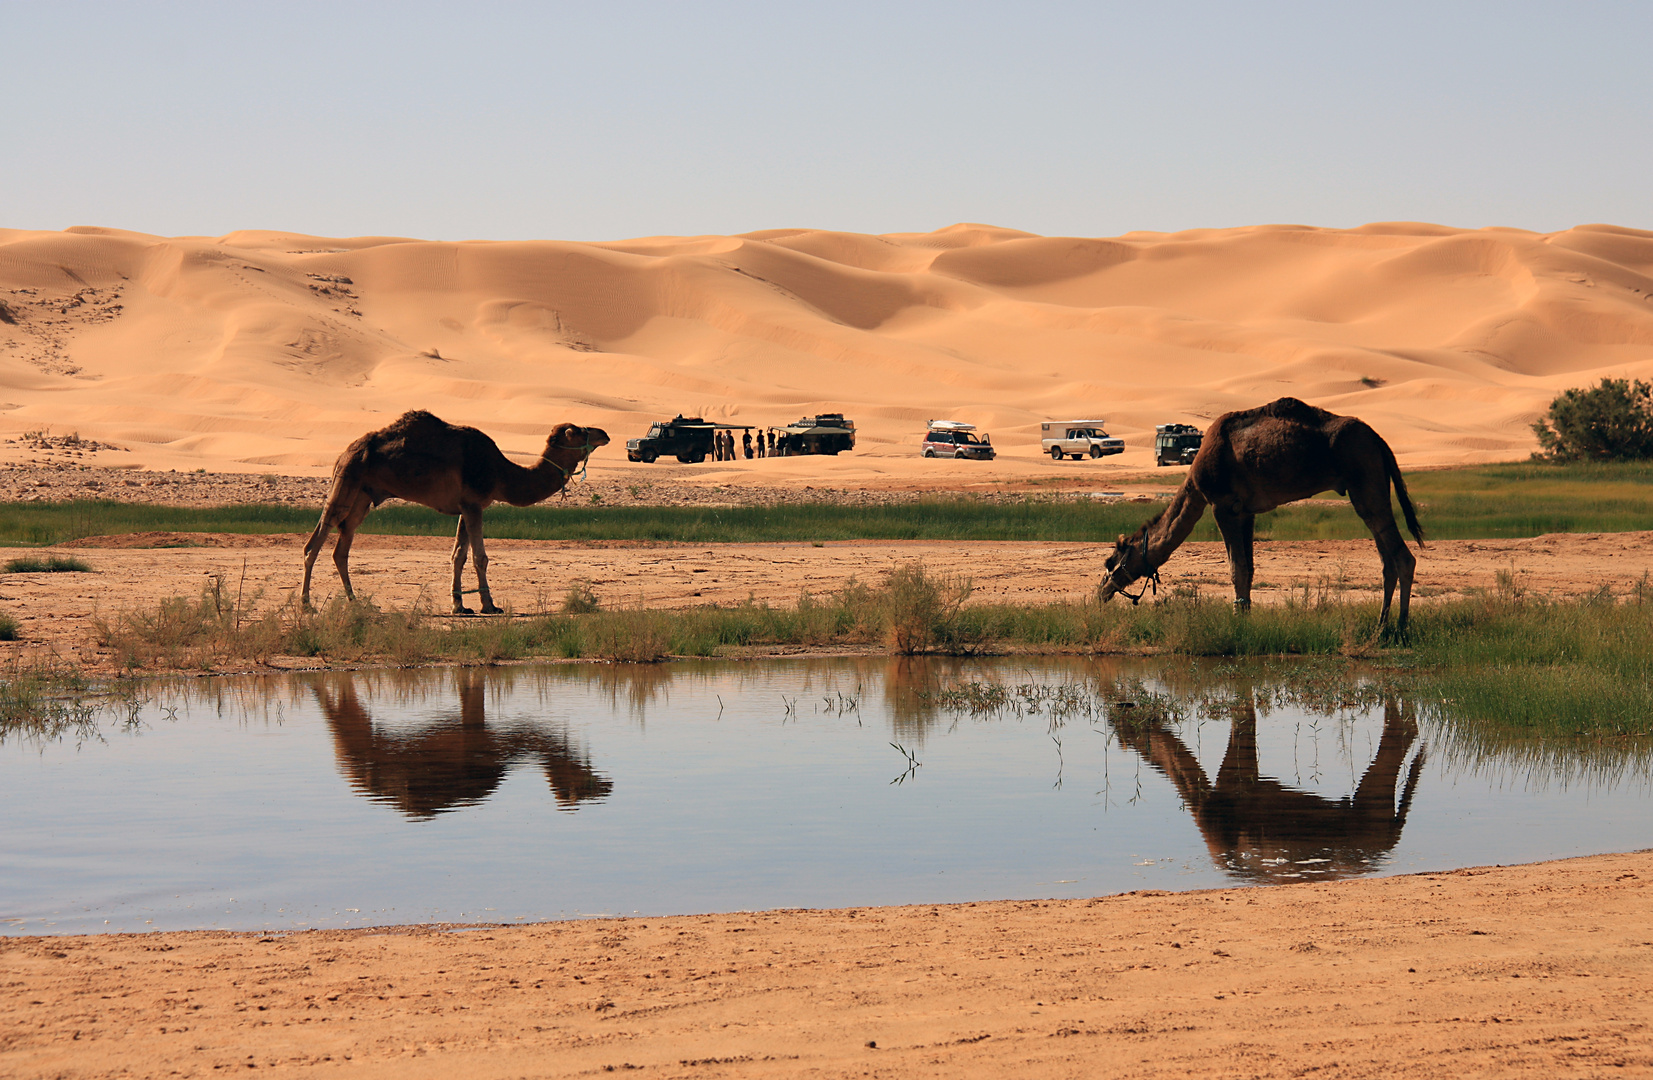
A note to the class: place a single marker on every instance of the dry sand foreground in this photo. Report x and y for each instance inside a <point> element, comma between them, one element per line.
<point>1535,971</point>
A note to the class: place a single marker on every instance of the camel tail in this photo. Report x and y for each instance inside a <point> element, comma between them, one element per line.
<point>1393,469</point>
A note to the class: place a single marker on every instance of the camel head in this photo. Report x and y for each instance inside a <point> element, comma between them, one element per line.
<point>1128,563</point>
<point>573,437</point>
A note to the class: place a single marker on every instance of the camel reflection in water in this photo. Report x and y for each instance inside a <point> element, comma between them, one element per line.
<point>453,762</point>
<point>1259,829</point>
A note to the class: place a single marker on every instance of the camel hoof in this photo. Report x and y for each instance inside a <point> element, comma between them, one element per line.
<point>461,609</point>
<point>490,609</point>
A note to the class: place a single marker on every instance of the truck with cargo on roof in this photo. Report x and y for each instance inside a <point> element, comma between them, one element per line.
<point>1077,439</point>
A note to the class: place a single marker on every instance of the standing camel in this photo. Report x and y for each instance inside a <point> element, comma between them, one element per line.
<point>453,470</point>
<point>1253,461</point>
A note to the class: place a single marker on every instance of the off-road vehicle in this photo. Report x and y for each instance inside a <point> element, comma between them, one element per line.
<point>828,433</point>
<point>1077,439</point>
<point>1176,444</point>
<point>689,438</point>
<point>955,439</point>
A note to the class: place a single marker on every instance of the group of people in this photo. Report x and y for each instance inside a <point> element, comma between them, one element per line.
<point>724,447</point>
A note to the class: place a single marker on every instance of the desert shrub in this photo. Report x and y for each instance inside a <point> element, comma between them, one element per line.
<point>182,632</point>
<point>580,599</point>
<point>923,612</point>
<point>8,628</point>
<point>1613,421</point>
<point>50,564</point>
<point>7,315</point>
<point>634,636</point>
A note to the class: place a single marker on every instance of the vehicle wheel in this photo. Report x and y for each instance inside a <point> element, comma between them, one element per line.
<point>957,454</point>
<point>1056,453</point>
<point>648,458</point>
<point>1096,451</point>
<point>929,453</point>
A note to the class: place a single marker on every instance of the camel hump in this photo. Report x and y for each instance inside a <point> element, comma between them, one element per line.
<point>418,422</point>
<point>1290,408</point>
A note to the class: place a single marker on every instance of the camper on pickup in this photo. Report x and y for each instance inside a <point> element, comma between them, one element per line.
<point>1077,439</point>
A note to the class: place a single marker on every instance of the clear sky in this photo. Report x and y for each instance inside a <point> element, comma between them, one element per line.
<point>588,121</point>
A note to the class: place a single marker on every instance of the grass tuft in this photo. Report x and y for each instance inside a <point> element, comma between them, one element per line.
<point>48,564</point>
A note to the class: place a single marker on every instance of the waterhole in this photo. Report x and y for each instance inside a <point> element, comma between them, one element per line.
<point>481,795</point>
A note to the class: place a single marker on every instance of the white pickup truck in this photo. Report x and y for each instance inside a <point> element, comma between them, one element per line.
<point>1077,439</point>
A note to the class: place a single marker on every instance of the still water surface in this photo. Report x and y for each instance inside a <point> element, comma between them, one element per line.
<point>351,799</point>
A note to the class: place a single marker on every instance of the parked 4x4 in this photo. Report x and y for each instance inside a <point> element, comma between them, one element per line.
<point>1077,439</point>
<point>827,433</point>
<point>1176,444</point>
<point>950,438</point>
<point>688,437</point>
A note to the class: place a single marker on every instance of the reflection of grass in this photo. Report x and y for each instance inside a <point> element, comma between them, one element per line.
<point>1484,501</point>
<point>44,702</point>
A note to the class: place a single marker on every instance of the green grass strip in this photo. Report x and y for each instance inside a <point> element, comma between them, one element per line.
<point>1476,503</point>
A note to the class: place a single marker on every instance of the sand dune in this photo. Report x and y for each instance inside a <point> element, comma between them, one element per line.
<point>266,350</point>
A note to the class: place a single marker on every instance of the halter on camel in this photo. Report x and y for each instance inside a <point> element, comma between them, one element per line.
<point>1150,579</point>
<point>585,458</point>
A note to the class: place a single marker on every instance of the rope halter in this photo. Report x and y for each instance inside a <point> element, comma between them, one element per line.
<point>1150,579</point>
<point>585,459</point>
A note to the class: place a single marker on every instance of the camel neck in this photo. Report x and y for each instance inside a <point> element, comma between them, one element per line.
<point>1166,533</point>
<point>550,474</point>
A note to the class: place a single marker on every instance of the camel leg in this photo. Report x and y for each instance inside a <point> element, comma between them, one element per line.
<point>1239,769</point>
<point>461,550</point>
<point>480,553</point>
<point>347,536</point>
<point>1398,560</point>
<point>1238,530</point>
<point>312,548</point>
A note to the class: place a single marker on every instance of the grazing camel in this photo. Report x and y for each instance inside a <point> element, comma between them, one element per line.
<point>1258,828</point>
<point>452,470</point>
<point>1253,461</point>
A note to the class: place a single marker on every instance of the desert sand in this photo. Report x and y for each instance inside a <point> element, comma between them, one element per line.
<point>1536,971</point>
<point>190,369</point>
<point>268,352</point>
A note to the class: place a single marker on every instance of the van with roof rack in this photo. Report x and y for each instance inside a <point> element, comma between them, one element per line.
<point>956,439</point>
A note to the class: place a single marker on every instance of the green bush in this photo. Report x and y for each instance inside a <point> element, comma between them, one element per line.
<point>1613,422</point>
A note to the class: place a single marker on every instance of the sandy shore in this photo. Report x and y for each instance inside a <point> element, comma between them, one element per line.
<point>1532,971</point>
<point>56,611</point>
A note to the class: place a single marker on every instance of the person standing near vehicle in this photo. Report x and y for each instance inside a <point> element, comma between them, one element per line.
<point>746,441</point>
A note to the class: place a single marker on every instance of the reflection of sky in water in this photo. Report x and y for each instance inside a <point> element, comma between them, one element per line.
<point>373,798</point>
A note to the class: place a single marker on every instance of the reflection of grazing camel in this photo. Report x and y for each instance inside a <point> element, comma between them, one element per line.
<point>426,770</point>
<point>452,470</point>
<point>1258,828</point>
<point>1251,462</point>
